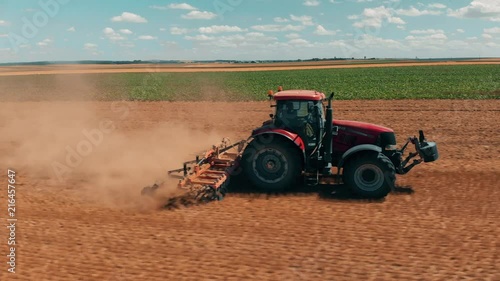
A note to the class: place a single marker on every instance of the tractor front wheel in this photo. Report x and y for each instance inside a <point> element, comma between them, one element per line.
<point>272,167</point>
<point>370,175</point>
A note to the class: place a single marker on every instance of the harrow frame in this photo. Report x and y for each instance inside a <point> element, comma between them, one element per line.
<point>206,178</point>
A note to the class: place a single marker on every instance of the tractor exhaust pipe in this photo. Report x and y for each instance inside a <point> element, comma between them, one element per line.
<point>327,170</point>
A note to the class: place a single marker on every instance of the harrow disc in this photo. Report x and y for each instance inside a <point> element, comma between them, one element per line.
<point>208,194</point>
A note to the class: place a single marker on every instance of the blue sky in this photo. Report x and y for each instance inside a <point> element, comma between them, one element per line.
<point>244,29</point>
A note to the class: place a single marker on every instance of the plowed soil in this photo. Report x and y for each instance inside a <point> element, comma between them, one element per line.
<point>440,224</point>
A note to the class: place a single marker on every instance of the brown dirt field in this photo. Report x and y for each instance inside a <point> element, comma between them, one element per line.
<point>95,226</point>
<point>214,67</point>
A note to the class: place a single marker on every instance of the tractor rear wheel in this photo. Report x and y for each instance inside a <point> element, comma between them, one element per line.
<point>370,175</point>
<point>272,167</point>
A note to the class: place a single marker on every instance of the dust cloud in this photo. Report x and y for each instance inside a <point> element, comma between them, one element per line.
<point>105,151</point>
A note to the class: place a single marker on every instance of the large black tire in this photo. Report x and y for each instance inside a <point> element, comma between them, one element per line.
<point>370,175</point>
<point>273,166</point>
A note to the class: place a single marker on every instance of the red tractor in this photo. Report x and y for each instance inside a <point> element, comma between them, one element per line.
<point>301,143</point>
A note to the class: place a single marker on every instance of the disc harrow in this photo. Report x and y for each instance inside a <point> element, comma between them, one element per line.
<point>206,178</point>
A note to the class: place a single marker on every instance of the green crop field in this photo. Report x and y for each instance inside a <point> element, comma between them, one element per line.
<point>416,82</point>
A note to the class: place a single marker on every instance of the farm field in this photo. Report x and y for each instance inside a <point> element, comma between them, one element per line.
<point>89,222</point>
<point>440,225</point>
<point>12,70</point>
<point>382,82</point>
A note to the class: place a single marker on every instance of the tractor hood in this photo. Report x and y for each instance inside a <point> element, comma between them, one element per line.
<point>361,127</point>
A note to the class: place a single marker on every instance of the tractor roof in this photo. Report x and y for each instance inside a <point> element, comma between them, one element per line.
<point>299,95</point>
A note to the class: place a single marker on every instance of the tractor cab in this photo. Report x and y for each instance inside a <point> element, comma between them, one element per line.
<point>301,112</point>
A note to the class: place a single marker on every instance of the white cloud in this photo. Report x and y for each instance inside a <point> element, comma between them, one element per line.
<point>414,12</point>
<point>374,17</point>
<point>437,36</point>
<point>489,31</point>
<point>219,28</point>
<point>181,6</point>
<point>126,31</point>
<point>427,31</point>
<point>108,30</point>
<point>178,31</point>
<point>129,17</point>
<point>251,41</point>
<point>147,37</point>
<point>112,35</point>
<point>92,49</point>
<point>320,30</point>
<point>71,29</point>
<point>4,35</point>
<point>156,7</point>
<point>428,41</point>
<point>493,30</point>
<point>175,6</point>
<point>277,27</point>
<point>162,29</point>
<point>304,20</point>
<point>299,42</point>
<point>200,37</point>
<point>292,35</point>
<point>199,15</point>
<point>460,30</point>
<point>44,43</point>
<point>372,41</point>
<point>169,44</point>
<point>396,20</point>
<point>483,9</point>
<point>90,46</point>
<point>311,3</point>
<point>280,19</point>
<point>437,6</point>
<point>366,44</point>
<point>256,36</point>
<point>4,23</point>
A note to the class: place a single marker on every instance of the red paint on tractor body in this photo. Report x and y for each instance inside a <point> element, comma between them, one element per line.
<point>353,133</point>
<point>287,134</point>
<point>363,127</point>
<point>299,95</point>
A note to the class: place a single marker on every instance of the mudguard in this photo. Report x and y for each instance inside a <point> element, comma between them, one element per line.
<point>295,138</point>
<point>356,149</point>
